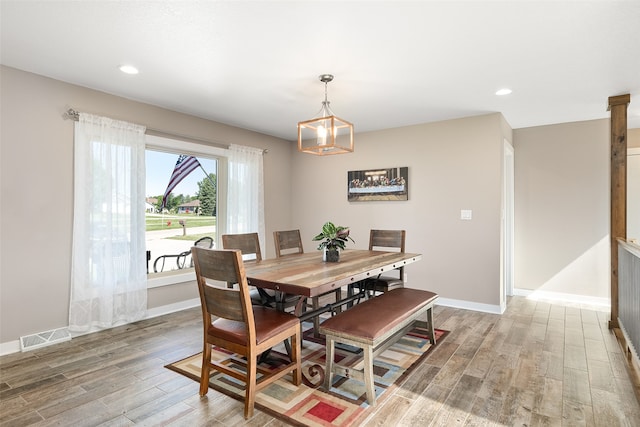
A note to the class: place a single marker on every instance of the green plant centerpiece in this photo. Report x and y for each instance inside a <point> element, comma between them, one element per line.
<point>333,239</point>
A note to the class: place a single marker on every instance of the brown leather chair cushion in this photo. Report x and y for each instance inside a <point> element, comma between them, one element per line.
<point>373,317</point>
<point>268,323</point>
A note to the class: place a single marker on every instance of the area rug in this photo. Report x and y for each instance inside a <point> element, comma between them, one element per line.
<point>310,404</point>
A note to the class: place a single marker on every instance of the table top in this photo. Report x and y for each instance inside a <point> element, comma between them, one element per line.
<point>307,275</point>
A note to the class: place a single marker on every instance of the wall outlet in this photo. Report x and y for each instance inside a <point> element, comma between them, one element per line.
<point>466,214</point>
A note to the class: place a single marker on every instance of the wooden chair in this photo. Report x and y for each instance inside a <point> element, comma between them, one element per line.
<point>290,243</point>
<point>386,240</point>
<point>249,244</point>
<point>240,327</point>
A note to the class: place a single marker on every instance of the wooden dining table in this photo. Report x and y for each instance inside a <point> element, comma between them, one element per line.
<point>308,275</point>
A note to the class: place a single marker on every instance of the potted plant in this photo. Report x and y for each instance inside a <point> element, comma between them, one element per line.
<point>333,239</point>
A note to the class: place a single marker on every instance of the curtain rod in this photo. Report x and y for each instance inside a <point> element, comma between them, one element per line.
<point>75,116</point>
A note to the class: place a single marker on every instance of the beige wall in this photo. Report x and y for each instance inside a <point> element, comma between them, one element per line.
<point>633,138</point>
<point>562,208</point>
<point>453,165</point>
<point>36,181</point>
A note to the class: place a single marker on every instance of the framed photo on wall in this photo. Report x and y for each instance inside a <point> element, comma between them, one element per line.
<point>390,184</point>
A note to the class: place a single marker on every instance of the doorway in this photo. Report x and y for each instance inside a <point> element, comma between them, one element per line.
<point>507,225</point>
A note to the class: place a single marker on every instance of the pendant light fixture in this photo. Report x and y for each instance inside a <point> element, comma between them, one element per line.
<point>325,134</point>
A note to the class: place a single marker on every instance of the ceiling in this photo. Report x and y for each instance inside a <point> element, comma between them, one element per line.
<point>255,64</point>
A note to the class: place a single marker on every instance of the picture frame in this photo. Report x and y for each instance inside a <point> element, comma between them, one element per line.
<point>380,184</point>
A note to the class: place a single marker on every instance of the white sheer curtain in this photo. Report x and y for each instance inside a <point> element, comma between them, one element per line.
<point>245,200</point>
<point>108,270</point>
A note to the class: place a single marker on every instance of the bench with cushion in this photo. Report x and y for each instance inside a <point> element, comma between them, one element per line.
<point>374,325</point>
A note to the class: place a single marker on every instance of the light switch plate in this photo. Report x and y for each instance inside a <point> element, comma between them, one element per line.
<point>466,214</point>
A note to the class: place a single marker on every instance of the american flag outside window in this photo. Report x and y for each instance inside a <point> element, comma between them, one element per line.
<point>184,166</point>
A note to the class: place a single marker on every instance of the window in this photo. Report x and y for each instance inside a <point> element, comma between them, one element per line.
<point>192,212</point>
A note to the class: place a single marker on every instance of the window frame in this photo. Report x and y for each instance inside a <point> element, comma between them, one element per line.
<point>178,146</point>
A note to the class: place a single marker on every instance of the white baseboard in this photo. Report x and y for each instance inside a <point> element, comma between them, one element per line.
<point>14,346</point>
<point>9,347</point>
<point>469,305</point>
<point>584,301</point>
<point>597,303</point>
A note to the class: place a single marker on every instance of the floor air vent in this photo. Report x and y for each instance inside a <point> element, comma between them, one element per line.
<point>43,339</point>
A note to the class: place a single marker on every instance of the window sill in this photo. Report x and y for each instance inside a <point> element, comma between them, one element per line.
<point>157,280</point>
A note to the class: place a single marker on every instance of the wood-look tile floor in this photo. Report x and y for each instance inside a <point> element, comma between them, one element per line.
<point>537,364</point>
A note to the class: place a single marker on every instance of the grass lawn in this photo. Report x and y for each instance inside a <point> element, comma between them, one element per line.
<point>167,222</point>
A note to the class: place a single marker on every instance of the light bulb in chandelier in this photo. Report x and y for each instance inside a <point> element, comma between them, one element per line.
<point>322,135</point>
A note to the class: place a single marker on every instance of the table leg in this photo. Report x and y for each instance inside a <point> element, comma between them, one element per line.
<point>300,306</point>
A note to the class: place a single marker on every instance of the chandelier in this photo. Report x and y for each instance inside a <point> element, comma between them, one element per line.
<point>326,133</point>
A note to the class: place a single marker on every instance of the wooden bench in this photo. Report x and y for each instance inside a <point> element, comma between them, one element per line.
<point>374,325</point>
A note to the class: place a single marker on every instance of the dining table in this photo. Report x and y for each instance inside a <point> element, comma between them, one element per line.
<point>307,275</point>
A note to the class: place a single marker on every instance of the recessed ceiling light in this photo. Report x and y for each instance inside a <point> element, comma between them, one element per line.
<point>504,91</point>
<point>128,69</point>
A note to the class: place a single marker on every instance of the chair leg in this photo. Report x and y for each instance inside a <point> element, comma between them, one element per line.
<point>328,373</point>
<point>368,376</point>
<point>250,394</point>
<point>431,329</point>
<point>296,357</point>
<point>205,370</point>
